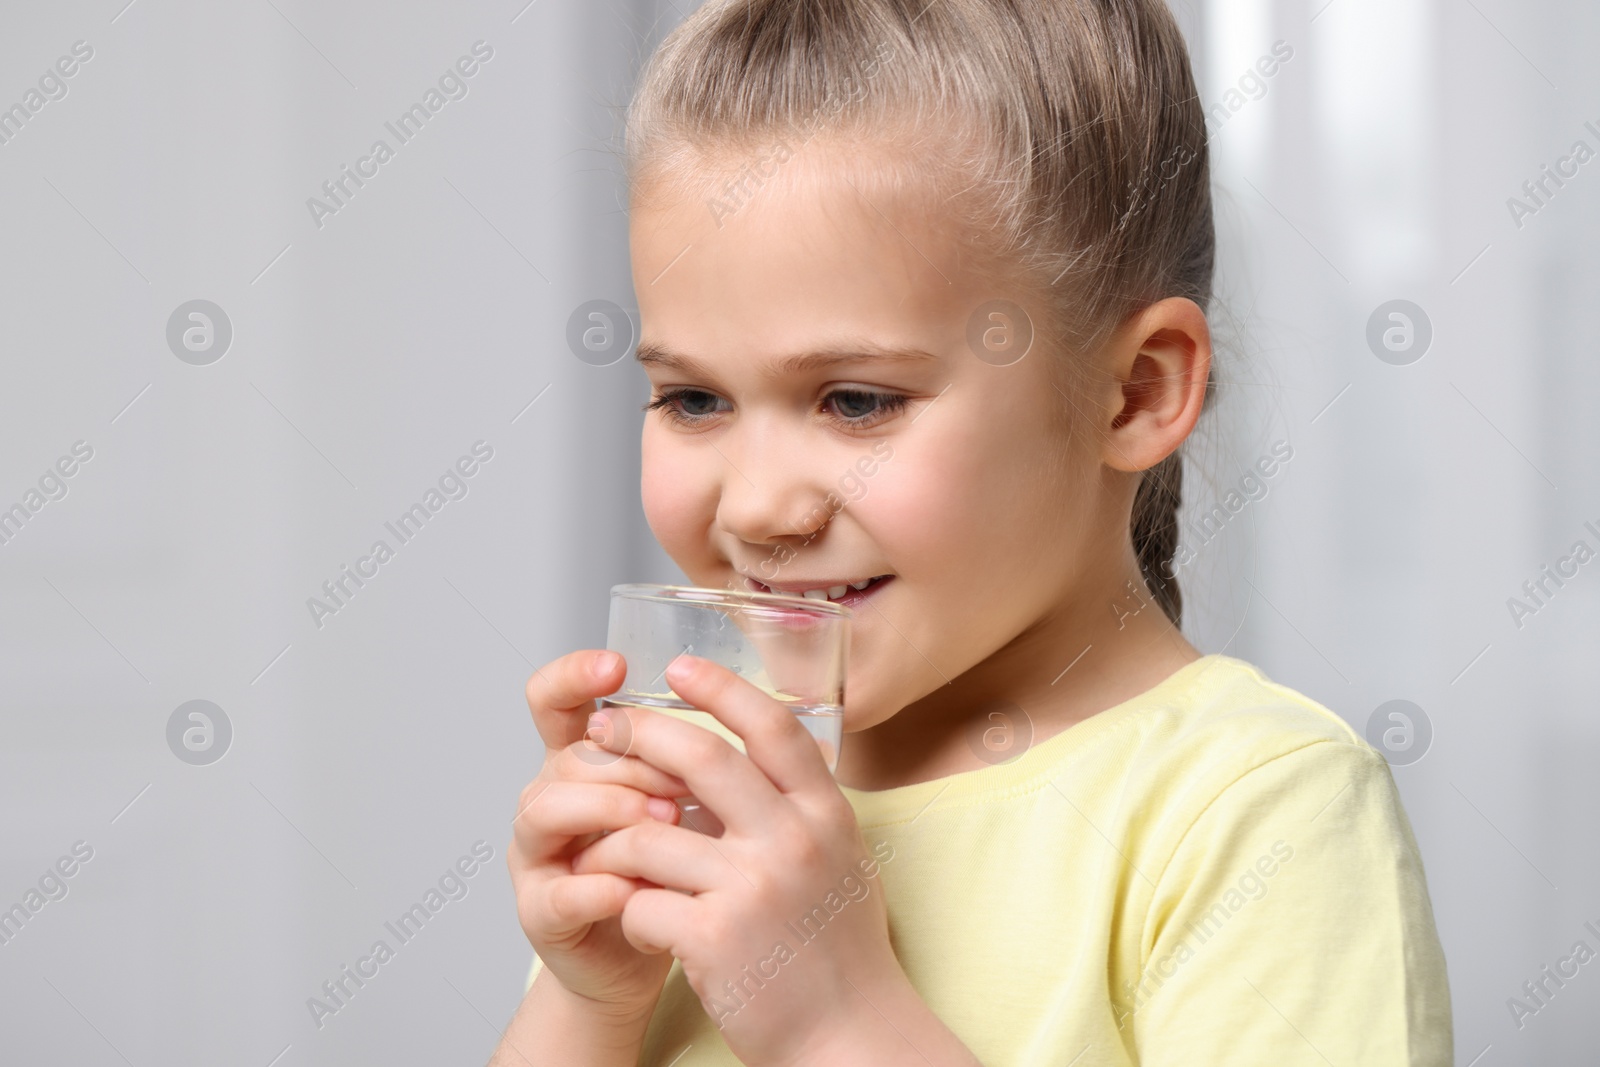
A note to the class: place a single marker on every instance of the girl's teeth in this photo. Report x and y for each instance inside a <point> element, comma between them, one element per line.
<point>833,592</point>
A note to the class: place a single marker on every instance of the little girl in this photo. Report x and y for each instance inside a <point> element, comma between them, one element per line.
<point>921,287</point>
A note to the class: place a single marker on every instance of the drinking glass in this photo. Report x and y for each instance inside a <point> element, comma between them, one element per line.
<point>791,648</point>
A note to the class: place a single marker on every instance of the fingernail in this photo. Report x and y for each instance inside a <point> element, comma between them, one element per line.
<point>681,669</point>
<point>599,725</point>
<point>661,808</point>
<point>604,664</point>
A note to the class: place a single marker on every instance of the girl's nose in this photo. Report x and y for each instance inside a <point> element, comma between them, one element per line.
<point>771,494</point>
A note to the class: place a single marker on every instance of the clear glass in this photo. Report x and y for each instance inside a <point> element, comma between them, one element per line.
<point>793,649</point>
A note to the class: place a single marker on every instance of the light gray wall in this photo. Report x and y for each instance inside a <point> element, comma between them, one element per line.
<point>1377,166</point>
<point>369,753</point>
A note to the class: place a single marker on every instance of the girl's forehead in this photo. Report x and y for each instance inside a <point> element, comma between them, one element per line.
<point>784,178</point>
<point>786,286</point>
<point>821,225</point>
<point>814,251</point>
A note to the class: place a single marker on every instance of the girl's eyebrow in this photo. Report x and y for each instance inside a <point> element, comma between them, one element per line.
<point>655,354</point>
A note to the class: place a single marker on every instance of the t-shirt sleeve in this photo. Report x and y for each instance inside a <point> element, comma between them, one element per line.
<point>1292,926</point>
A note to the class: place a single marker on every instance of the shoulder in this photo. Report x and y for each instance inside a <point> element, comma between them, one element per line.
<point>1242,773</point>
<point>1274,836</point>
<point>1230,731</point>
<point>1227,716</point>
<point>1227,694</point>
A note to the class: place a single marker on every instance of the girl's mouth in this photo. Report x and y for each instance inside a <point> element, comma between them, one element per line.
<point>848,594</point>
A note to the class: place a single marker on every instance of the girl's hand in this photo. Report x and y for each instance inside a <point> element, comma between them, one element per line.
<point>786,933</point>
<point>571,919</point>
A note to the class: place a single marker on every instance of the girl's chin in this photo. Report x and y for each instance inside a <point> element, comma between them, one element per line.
<point>864,709</point>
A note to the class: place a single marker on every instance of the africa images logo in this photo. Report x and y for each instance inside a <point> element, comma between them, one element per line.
<point>452,86</point>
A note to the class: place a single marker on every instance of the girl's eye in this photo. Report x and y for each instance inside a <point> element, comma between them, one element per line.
<point>695,403</point>
<point>862,406</point>
<point>688,405</point>
<point>854,407</point>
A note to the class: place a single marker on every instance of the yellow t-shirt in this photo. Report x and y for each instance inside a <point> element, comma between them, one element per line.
<point>1216,872</point>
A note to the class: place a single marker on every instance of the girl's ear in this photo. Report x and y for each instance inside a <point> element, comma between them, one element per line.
<point>1159,361</point>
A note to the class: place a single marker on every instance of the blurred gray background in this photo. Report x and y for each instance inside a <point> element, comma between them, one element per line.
<point>370,749</point>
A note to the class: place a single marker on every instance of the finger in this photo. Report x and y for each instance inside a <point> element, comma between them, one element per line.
<point>561,811</point>
<point>584,761</point>
<point>655,920</point>
<point>561,693</point>
<point>719,775</point>
<point>569,903</point>
<point>773,738</point>
<point>666,855</point>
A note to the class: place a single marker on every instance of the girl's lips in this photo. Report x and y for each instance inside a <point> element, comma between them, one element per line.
<point>851,597</point>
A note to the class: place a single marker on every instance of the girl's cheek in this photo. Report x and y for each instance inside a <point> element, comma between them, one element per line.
<point>679,498</point>
<point>952,507</point>
<point>911,511</point>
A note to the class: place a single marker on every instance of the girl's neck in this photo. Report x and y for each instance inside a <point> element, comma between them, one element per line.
<point>1059,672</point>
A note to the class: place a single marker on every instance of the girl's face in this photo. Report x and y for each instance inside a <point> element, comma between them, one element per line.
<point>820,420</point>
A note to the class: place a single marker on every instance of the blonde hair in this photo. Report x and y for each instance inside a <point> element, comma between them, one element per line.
<point>1071,128</point>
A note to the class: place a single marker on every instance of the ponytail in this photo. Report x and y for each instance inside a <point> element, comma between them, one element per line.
<point>1155,532</point>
